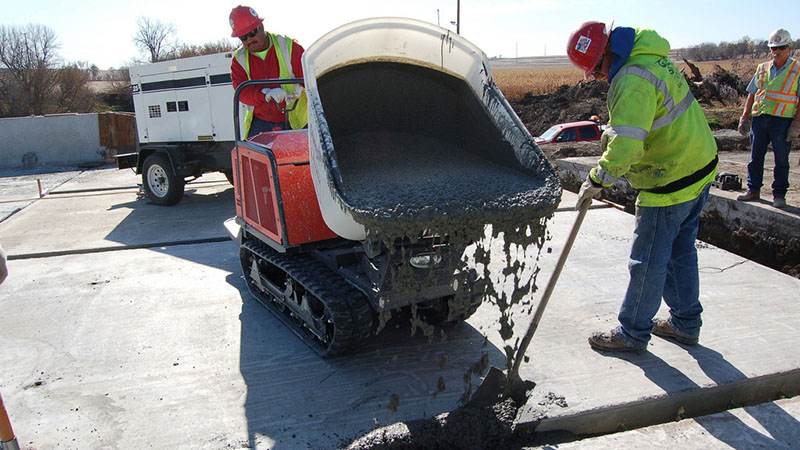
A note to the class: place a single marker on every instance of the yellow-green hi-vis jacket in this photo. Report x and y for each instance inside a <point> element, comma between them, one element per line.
<point>657,136</point>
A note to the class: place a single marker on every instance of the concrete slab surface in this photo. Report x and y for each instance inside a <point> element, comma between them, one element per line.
<point>101,207</point>
<point>118,337</point>
<point>19,188</point>
<point>750,328</point>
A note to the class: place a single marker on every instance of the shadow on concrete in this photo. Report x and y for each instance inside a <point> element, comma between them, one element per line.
<point>196,219</point>
<point>389,378</point>
<point>722,372</point>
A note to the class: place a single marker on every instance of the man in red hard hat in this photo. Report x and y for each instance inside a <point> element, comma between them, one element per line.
<point>265,55</point>
<point>659,140</point>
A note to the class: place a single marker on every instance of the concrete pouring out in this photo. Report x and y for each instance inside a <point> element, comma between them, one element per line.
<point>444,168</point>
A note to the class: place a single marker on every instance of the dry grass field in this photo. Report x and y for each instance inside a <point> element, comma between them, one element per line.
<point>516,82</point>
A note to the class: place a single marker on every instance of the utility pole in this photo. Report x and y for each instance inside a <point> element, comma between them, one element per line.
<point>458,17</point>
<point>437,17</point>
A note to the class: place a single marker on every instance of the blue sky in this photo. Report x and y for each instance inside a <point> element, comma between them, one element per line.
<point>101,32</point>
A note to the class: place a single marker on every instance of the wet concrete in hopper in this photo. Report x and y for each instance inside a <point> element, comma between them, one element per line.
<point>392,177</point>
<point>417,150</point>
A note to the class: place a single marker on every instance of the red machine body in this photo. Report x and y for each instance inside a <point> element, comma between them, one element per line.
<point>275,194</point>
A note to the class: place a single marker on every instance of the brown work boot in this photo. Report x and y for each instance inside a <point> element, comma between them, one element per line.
<point>779,202</point>
<point>664,329</point>
<point>611,342</point>
<point>749,196</point>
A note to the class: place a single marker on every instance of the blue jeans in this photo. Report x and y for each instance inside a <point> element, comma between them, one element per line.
<point>663,263</point>
<point>766,129</point>
<point>261,125</point>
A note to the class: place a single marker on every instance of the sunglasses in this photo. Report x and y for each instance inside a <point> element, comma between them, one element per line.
<point>599,65</point>
<point>782,47</point>
<point>249,35</point>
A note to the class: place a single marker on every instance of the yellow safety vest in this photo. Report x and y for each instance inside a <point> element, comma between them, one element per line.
<point>298,117</point>
<point>776,97</point>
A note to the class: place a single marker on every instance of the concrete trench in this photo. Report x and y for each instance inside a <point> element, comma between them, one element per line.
<point>763,235</point>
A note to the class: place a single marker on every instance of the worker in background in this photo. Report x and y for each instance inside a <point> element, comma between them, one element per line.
<point>265,55</point>
<point>658,138</point>
<point>772,102</point>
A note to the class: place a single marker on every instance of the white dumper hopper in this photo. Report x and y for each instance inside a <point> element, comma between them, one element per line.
<point>405,121</point>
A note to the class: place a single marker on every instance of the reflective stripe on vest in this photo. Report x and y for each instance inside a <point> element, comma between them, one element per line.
<point>776,97</point>
<point>298,117</point>
<point>243,58</point>
<point>673,111</point>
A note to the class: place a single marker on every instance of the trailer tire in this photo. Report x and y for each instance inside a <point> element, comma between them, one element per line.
<point>160,182</point>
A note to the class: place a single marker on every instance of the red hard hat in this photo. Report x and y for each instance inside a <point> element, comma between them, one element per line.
<point>587,44</point>
<point>243,19</point>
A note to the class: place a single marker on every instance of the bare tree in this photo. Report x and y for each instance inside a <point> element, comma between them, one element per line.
<point>153,37</point>
<point>73,86</point>
<point>28,57</point>
<point>209,48</point>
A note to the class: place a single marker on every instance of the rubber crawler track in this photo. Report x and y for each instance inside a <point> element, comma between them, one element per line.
<point>347,307</point>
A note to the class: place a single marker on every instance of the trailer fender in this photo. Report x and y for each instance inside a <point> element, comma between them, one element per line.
<point>144,152</point>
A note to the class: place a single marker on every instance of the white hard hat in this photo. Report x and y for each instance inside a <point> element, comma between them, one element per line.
<point>779,37</point>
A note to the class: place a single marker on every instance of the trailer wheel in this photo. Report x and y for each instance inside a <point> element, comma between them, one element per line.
<point>162,185</point>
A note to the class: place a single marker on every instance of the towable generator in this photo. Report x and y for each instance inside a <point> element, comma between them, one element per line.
<point>409,143</point>
<point>183,123</point>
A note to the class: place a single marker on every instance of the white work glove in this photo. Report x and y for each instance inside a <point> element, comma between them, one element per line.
<point>292,96</point>
<point>604,139</point>
<point>588,191</point>
<point>794,131</point>
<point>744,126</point>
<point>276,94</point>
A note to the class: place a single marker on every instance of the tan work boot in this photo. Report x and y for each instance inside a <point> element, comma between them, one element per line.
<point>611,342</point>
<point>662,328</point>
<point>749,196</point>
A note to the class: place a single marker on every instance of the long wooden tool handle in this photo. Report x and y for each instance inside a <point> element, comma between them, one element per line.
<point>551,284</point>
<point>6,432</point>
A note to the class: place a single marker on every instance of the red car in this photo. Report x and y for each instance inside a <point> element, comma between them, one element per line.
<point>585,130</point>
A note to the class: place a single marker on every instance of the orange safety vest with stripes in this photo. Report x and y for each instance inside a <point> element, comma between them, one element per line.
<point>776,97</point>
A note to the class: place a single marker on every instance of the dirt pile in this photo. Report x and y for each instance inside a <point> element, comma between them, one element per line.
<point>567,104</point>
<point>719,92</point>
<point>721,85</point>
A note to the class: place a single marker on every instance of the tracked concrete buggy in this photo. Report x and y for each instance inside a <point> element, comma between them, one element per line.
<point>411,150</point>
